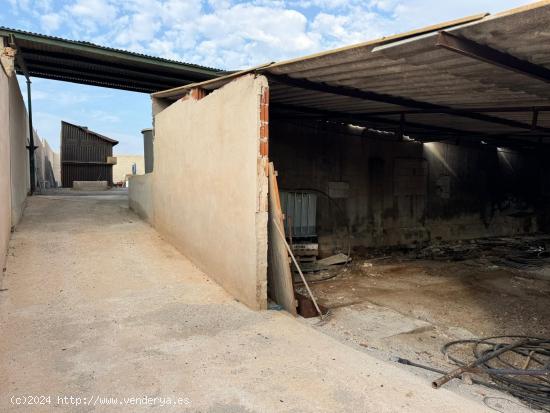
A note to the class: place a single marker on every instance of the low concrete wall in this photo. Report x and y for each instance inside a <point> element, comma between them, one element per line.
<point>140,196</point>
<point>210,185</point>
<point>90,185</point>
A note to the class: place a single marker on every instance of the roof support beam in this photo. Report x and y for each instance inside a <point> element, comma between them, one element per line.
<point>469,48</point>
<point>535,119</point>
<point>79,80</point>
<point>39,71</point>
<point>87,64</point>
<point>394,100</point>
<point>434,134</point>
<point>349,117</point>
<point>40,66</point>
<point>424,132</point>
<point>509,109</point>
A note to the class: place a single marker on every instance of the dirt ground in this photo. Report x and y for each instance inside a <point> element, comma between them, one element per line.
<point>96,306</point>
<point>398,307</point>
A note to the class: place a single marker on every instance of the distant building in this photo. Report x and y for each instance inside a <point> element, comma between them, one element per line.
<point>85,155</point>
<point>127,165</point>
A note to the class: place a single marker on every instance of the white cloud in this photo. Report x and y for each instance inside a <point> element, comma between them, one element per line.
<point>345,29</point>
<point>234,34</point>
<point>256,34</point>
<point>418,13</point>
<point>102,116</point>
<point>92,13</point>
<point>50,22</point>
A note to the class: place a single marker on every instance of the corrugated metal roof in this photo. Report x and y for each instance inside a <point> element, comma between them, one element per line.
<point>411,81</point>
<point>90,132</point>
<point>84,62</point>
<point>416,69</point>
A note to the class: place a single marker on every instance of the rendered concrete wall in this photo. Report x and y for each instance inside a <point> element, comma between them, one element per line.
<point>90,185</point>
<point>20,182</point>
<point>48,162</point>
<point>14,158</point>
<point>210,185</point>
<point>402,193</point>
<point>140,195</point>
<point>5,184</point>
<point>39,162</point>
<point>56,165</point>
<point>123,166</point>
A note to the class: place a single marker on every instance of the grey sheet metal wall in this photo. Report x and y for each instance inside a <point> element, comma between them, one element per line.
<point>300,210</point>
<point>148,152</point>
<point>84,155</point>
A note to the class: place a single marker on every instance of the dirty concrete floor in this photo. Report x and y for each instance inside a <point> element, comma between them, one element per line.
<point>97,306</point>
<point>407,308</point>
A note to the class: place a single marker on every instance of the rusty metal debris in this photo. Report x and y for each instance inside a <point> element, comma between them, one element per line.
<point>523,253</point>
<point>519,365</point>
<point>471,367</point>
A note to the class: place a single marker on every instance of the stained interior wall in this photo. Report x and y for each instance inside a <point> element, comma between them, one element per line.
<point>210,185</point>
<point>402,193</point>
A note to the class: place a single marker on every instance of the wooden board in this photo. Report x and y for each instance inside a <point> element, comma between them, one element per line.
<point>279,277</point>
<point>334,259</point>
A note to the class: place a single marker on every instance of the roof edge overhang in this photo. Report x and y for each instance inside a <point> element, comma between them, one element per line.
<point>91,132</point>
<point>88,47</point>
<point>220,81</point>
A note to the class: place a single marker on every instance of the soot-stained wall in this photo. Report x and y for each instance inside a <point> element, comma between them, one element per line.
<point>401,193</point>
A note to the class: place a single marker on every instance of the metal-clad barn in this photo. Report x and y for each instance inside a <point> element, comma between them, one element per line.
<point>84,155</point>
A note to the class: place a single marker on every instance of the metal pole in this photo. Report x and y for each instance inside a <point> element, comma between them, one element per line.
<point>31,146</point>
<point>281,233</point>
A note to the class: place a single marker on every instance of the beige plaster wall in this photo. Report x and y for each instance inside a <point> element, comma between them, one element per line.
<point>5,190</point>
<point>14,158</point>
<point>20,182</point>
<point>210,186</point>
<point>123,166</point>
<point>39,161</point>
<point>48,162</point>
<point>56,165</point>
<point>140,195</point>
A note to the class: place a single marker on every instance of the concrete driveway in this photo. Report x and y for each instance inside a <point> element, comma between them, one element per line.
<point>96,306</point>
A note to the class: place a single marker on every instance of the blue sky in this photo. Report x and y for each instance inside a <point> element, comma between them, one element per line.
<point>226,34</point>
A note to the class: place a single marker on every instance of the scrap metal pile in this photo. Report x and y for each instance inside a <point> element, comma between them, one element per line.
<point>519,365</point>
<point>525,252</point>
